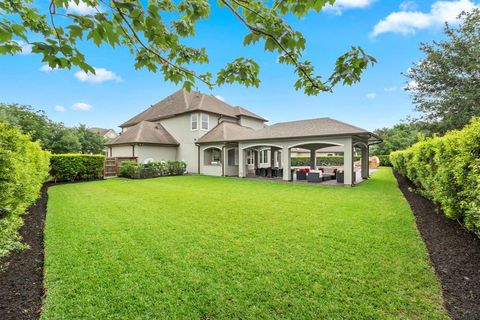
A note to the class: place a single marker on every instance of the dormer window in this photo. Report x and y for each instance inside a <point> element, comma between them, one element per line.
<point>204,121</point>
<point>194,120</point>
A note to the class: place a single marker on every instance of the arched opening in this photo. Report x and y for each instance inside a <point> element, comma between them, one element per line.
<point>362,160</point>
<point>212,156</point>
<point>263,160</point>
<point>310,154</point>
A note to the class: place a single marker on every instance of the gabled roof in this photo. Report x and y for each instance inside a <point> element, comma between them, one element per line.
<point>305,128</point>
<point>239,111</point>
<point>225,131</point>
<point>145,132</point>
<point>183,101</point>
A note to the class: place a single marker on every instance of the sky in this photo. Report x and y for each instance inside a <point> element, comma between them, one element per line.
<point>389,30</point>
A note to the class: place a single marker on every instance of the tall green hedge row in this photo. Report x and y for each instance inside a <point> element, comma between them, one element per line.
<point>328,160</point>
<point>384,160</point>
<point>23,170</point>
<point>72,167</point>
<point>447,170</point>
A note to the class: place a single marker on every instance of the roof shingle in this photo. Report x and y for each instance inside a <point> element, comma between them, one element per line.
<point>145,132</point>
<point>183,101</point>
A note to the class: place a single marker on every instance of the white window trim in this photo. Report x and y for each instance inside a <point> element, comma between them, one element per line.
<point>191,121</point>
<point>201,121</point>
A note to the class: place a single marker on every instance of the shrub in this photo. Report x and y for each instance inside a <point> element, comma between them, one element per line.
<point>72,167</point>
<point>447,170</point>
<point>23,170</point>
<point>384,160</point>
<point>326,160</point>
<point>133,170</point>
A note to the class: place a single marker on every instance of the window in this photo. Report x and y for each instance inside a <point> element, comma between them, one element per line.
<point>215,155</point>
<point>194,119</point>
<point>233,157</point>
<point>204,121</point>
<point>264,156</point>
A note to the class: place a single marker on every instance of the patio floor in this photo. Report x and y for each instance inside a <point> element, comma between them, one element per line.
<point>358,179</point>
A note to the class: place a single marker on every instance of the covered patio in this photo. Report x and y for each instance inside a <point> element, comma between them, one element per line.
<point>267,152</point>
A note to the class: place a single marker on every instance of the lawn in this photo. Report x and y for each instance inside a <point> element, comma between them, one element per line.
<point>197,247</point>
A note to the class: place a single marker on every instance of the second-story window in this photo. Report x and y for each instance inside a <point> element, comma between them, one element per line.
<point>204,121</point>
<point>194,121</point>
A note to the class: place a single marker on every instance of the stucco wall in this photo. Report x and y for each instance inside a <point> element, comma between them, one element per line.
<point>157,153</point>
<point>180,128</point>
<point>252,123</point>
<point>121,151</point>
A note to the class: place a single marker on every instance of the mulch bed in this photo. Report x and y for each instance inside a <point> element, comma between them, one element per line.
<point>21,284</point>
<point>454,253</point>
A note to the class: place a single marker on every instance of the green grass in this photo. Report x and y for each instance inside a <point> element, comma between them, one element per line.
<point>198,247</point>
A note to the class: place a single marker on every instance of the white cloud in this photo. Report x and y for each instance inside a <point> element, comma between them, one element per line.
<point>80,8</point>
<point>101,75</point>
<point>341,5</point>
<point>220,98</point>
<point>47,68</point>
<point>391,89</point>
<point>408,22</point>
<point>60,108</point>
<point>371,95</point>
<point>26,47</point>
<point>81,106</point>
<point>408,6</point>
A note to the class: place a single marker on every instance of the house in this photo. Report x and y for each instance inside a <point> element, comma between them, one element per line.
<point>215,138</point>
<point>107,134</point>
<point>335,151</point>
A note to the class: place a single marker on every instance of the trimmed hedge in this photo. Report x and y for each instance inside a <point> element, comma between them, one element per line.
<point>72,167</point>
<point>133,170</point>
<point>23,170</point>
<point>384,160</point>
<point>447,170</point>
<point>327,160</point>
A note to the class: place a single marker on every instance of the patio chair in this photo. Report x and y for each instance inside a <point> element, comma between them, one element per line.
<point>314,177</point>
<point>269,172</point>
<point>262,172</point>
<point>301,175</point>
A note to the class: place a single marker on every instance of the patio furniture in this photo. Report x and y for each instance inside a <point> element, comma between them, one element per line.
<point>262,172</point>
<point>257,171</point>
<point>301,175</point>
<point>340,175</point>
<point>269,172</point>
<point>314,177</point>
<point>328,176</point>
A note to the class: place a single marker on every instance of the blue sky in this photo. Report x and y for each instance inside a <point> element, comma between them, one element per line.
<point>390,30</point>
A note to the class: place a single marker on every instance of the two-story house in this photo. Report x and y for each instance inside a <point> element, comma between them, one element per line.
<point>215,138</point>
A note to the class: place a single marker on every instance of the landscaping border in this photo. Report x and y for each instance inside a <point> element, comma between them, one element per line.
<point>454,253</point>
<point>21,283</point>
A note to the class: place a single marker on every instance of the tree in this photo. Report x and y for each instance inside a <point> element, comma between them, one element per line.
<point>35,123</point>
<point>399,137</point>
<point>154,34</point>
<point>445,84</point>
<point>64,140</point>
<point>89,141</point>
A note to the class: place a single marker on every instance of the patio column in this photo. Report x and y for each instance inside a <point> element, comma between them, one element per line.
<point>365,162</point>
<point>348,162</point>
<point>286,164</point>
<point>313,160</point>
<point>241,162</point>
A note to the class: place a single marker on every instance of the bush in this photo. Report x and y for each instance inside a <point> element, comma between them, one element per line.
<point>72,167</point>
<point>384,160</point>
<point>327,160</point>
<point>447,170</point>
<point>133,170</point>
<point>23,170</point>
